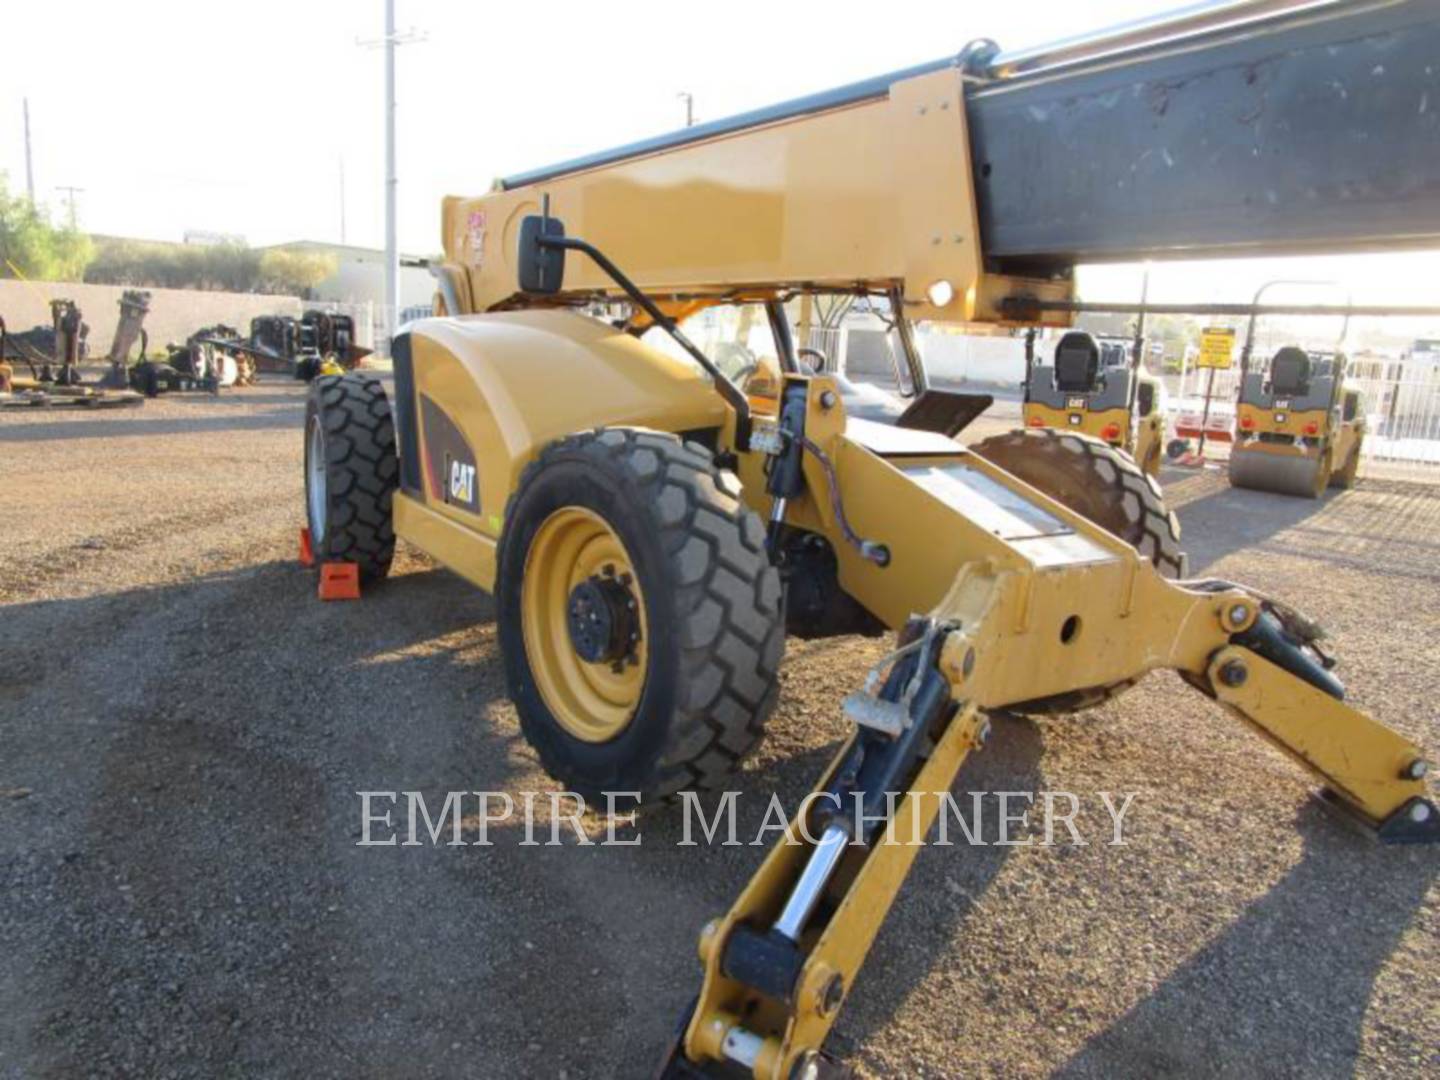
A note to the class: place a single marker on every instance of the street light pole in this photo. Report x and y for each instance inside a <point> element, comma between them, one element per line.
<point>392,183</point>
<point>29,167</point>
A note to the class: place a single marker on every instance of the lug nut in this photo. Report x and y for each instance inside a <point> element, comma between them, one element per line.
<point>1416,770</point>
<point>1233,673</point>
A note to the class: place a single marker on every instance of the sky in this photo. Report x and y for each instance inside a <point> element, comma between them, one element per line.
<point>235,117</point>
<point>239,117</point>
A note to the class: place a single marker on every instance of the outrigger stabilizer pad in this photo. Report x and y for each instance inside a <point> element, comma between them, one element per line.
<point>1417,821</point>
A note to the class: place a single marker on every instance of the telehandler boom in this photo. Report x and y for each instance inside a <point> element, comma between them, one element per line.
<point>654,519</point>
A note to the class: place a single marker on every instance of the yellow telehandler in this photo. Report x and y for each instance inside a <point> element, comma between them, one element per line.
<point>654,519</point>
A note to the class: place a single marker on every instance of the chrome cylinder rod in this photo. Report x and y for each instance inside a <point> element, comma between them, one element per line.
<point>813,880</point>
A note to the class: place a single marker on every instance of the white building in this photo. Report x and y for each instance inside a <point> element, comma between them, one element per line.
<point>360,275</point>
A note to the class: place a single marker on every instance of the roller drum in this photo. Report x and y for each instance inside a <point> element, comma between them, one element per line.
<point>1283,474</point>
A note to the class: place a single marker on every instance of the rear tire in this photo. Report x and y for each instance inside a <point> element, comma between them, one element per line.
<point>1345,478</point>
<point>713,625</point>
<point>351,472</point>
<point>1098,482</point>
<point>1105,486</point>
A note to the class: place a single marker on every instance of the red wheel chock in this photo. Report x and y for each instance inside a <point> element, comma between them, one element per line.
<point>339,581</point>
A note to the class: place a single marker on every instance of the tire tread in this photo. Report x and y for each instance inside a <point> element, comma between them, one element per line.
<point>362,471</point>
<point>732,634</point>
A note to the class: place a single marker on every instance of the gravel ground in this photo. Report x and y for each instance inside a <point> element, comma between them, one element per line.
<point>183,729</point>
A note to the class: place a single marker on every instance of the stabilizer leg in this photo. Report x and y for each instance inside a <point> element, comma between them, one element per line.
<point>779,965</point>
<point>1373,772</point>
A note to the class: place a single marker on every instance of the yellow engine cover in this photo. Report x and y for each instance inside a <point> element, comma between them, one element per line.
<point>488,392</point>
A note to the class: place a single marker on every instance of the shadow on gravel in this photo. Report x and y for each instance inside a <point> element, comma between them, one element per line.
<point>1229,519</point>
<point>196,904</point>
<point>1294,974</point>
<point>1381,526</point>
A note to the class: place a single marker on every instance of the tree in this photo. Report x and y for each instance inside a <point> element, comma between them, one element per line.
<point>32,246</point>
<point>223,267</point>
<point>288,270</point>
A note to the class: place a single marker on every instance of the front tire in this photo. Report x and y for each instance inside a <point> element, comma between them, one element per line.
<point>351,472</point>
<point>674,688</point>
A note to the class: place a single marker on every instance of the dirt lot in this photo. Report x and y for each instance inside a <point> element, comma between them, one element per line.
<point>183,729</point>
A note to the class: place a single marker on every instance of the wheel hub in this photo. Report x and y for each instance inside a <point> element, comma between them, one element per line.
<point>583,612</point>
<point>603,619</point>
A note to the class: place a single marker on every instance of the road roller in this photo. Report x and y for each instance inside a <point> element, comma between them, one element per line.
<point>1097,387</point>
<point>1298,426</point>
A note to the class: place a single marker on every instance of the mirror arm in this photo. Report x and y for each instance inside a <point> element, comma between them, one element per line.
<point>727,390</point>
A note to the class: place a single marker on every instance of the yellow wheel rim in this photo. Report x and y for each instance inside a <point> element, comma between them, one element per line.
<point>593,699</point>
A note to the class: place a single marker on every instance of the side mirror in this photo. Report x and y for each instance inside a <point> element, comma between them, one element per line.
<point>542,268</point>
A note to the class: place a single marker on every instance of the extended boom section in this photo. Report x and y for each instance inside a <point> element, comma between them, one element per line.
<point>1244,127</point>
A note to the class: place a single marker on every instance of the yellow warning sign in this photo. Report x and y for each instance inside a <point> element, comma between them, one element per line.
<point>1217,347</point>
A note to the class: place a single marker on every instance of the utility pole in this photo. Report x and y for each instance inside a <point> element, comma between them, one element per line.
<point>342,198</point>
<point>29,166</point>
<point>392,183</point>
<point>689,100</point>
<point>70,193</point>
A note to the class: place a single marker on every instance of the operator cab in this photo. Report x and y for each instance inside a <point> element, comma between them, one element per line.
<point>747,339</point>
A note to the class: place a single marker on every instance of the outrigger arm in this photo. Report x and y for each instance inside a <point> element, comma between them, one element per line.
<point>780,963</point>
